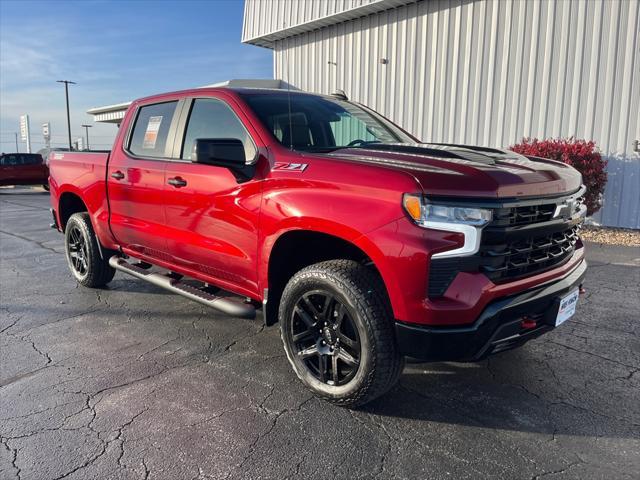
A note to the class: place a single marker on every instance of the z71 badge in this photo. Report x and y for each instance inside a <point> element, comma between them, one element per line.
<point>294,167</point>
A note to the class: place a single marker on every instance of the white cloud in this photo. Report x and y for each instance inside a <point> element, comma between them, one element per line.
<point>30,64</point>
<point>111,63</point>
<point>20,62</point>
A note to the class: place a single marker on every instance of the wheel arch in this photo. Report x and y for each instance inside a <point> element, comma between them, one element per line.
<point>68,204</point>
<point>295,249</point>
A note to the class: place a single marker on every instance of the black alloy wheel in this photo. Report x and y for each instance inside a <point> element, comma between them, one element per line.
<point>88,262</point>
<point>325,337</point>
<point>337,330</point>
<point>78,251</point>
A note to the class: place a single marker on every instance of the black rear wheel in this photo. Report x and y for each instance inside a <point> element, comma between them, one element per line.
<point>88,267</point>
<point>78,250</point>
<point>337,330</point>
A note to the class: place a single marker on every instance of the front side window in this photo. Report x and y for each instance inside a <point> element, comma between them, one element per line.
<point>150,132</point>
<point>316,123</point>
<point>212,118</point>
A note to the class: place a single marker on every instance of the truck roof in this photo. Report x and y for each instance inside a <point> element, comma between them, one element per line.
<point>239,90</point>
<point>115,113</point>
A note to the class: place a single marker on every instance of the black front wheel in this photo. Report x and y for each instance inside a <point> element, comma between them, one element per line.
<point>83,254</point>
<point>337,330</point>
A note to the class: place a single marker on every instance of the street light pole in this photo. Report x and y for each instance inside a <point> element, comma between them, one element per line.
<point>17,149</point>
<point>66,94</point>
<point>86,129</point>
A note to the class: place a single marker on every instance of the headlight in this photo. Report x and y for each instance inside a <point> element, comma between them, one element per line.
<point>423,212</point>
<point>466,220</point>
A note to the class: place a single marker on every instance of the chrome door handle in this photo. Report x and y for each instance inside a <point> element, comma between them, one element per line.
<point>118,175</point>
<point>177,182</point>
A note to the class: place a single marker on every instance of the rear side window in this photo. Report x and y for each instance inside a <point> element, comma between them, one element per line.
<point>31,159</point>
<point>211,118</point>
<point>150,132</point>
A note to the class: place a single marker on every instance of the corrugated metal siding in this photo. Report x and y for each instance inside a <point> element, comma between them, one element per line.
<point>491,72</point>
<point>262,17</point>
<point>266,21</point>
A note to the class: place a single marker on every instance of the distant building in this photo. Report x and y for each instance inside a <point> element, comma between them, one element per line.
<point>110,113</point>
<point>484,72</point>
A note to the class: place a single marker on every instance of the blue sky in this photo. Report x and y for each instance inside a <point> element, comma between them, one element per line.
<point>116,51</point>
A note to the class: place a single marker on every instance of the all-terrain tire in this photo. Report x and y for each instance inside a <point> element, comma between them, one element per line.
<point>83,253</point>
<point>362,293</point>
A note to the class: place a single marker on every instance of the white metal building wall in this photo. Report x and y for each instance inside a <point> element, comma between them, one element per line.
<point>490,73</point>
<point>268,20</point>
<point>262,17</point>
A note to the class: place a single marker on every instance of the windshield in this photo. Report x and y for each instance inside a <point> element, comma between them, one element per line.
<point>319,123</point>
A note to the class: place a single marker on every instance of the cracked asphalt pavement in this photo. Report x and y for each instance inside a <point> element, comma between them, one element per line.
<point>129,382</point>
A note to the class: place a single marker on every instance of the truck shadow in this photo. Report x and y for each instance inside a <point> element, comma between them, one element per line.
<point>513,391</point>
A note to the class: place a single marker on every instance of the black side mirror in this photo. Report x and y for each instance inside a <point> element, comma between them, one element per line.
<point>223,152</point>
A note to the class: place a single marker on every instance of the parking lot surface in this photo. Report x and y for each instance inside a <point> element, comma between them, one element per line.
<point>131,382</point>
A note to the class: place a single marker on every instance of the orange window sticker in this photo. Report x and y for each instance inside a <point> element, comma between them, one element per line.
<point>151,134</point>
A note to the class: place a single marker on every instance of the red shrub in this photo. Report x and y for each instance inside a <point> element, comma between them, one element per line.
<point>580,154</point>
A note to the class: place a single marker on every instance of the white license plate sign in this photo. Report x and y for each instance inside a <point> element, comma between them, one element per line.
<point>567,306</point>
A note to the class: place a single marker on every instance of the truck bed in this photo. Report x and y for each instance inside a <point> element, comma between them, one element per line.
<point>66,165</point>
<point>82,174</point>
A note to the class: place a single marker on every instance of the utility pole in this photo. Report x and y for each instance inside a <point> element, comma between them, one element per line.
<point>17,148</point>
<point>66,94</point>
<point>86,129</point>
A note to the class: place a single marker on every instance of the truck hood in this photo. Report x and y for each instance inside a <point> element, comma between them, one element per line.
<point>469,171</point>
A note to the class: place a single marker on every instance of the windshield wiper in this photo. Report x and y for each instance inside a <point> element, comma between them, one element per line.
<point>333,148</point>
<point>360,145</point>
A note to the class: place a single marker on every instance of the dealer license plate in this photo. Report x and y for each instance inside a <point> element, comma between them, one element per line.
<point>567,307</point>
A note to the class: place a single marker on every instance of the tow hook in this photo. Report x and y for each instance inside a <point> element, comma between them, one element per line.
<point>528,323</point>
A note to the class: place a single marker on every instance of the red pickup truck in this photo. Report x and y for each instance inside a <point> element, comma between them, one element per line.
<point>23,169</point>
<point>366,245</point>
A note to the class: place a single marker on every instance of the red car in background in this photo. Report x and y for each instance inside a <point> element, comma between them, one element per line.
<point>23,169</point>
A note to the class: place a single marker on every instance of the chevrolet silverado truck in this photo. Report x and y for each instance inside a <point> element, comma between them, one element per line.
<point>364,244</point>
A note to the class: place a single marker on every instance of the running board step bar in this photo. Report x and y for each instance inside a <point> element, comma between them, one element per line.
<point>169,282</point>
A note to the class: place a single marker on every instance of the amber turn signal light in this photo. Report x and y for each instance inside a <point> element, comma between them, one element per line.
<point>413,205</point>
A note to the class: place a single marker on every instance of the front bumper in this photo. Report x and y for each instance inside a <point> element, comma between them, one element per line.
<point>498,328</point>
